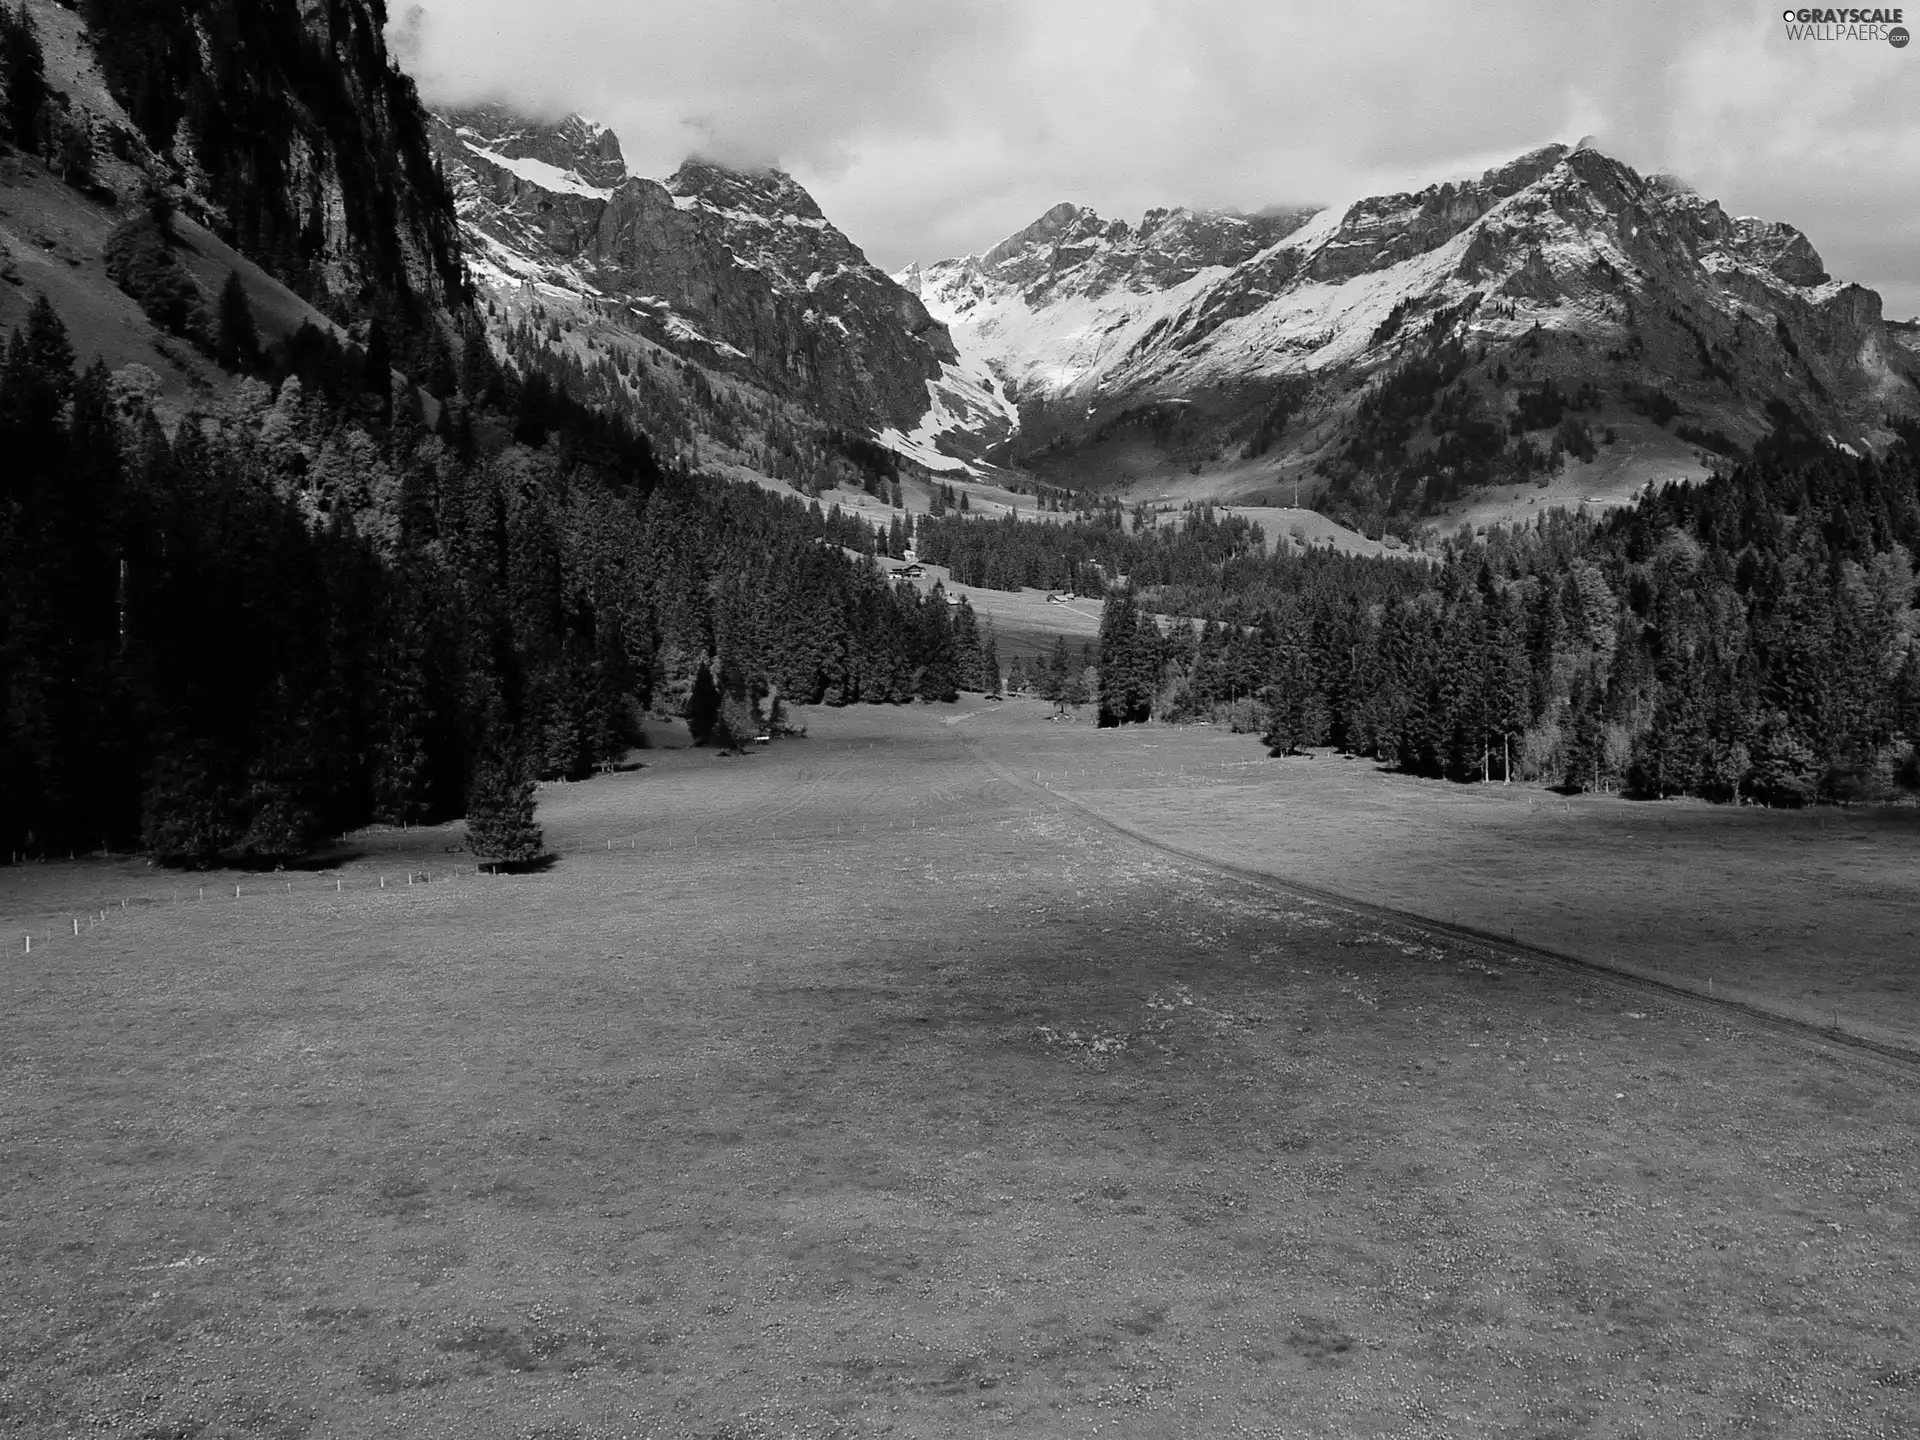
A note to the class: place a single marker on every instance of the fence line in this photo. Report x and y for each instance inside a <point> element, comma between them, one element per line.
<point>659,841</point>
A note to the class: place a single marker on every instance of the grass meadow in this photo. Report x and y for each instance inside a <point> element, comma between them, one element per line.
<point>857,1087</point>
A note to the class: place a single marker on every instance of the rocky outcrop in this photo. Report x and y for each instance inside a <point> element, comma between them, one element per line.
<point>1387,229</point>
<point>737,269</point>
<point>1072,251</point>
<point>310,154</point>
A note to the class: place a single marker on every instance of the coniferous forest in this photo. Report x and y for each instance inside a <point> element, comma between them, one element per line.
<point>395,580</point>
<point>313,609</point>
<point>1750,637</point>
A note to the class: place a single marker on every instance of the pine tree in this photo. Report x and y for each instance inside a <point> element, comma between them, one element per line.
<point>403,727</point>
<point>937,676</point>
<point>1129,664</point>
<point>500,808</point>
<point>970,661</point>
<point>187,813</point>
<point>23,80</point>
<point>49,350</point>
<point>378,370</point>
<point>1056,674</point>
<point>1296,711</point>
<point>703,705</point>
<point>73,148</point>
<point>480,377</point>
<point>237,342</point>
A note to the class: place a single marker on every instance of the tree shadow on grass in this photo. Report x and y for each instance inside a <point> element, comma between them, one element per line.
<point>538,865</point>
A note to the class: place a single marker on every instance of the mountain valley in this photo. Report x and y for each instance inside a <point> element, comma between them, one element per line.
<point>1558,330</point>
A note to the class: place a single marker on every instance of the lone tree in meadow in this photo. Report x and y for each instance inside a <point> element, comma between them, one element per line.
<point>500,824</point>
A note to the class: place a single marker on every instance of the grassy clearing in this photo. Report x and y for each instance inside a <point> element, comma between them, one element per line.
<point>1815,913</point>
<point>1025,622</point>
<point>917,1108</point>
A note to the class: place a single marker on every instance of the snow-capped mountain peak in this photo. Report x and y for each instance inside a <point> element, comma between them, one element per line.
<point>1639,281</point>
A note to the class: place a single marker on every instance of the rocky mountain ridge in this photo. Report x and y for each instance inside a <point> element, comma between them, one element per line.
<point>1564,267</point>
<point>735,271</point>
<point>1072,251</point>
<point>1230,353</point>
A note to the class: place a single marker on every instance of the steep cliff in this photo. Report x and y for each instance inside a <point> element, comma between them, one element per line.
<point>287,128</point>
<point>735,271</point>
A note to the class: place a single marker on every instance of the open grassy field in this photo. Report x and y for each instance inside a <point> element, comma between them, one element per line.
<point>853,1087</point>
<point>1812,913</point>
<point>1025,623</point>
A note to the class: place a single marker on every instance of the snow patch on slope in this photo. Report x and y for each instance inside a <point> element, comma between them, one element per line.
<point>679,329</point>
<point>1067,346</point>
<point>960,401</point>
<point>1316,231</point>
<point>539,172</point>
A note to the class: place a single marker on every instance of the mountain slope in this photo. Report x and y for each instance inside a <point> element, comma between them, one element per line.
<point>290,151</point>
<point>738,274</point>
<point>1248,352</point>
<point>289,131</point>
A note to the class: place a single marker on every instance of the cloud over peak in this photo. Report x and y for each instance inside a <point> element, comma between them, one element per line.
<point>934,130</point>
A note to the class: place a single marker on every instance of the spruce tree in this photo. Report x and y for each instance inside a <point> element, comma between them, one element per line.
<point>23,79</point>
<point>938,673</point>
<point>703,705</point>
<point>237,342</point>
<point>500,807</point>
<point>1116,638</point>
<point>1055,674</point>
<point>378,370</point>
<point>72,139</point>
<point>969,655</point>
<point>480,377</point>
<point>1293,701</point>
<point>1129,664</point>
<point>187,813</point>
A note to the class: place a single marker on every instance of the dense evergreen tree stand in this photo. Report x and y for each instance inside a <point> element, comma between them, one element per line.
<point>1130,660</point>
<point>703,706</point>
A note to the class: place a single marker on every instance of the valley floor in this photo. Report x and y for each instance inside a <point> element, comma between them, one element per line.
<point>867,1085</point>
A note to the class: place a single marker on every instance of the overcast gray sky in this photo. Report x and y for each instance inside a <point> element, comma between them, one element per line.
<point>933,129</point>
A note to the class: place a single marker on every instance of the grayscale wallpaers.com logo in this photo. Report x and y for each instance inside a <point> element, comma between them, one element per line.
<point>1819,24</point>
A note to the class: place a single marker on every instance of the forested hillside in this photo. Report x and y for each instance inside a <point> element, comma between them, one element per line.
<point>287,128</point>
<point>1750,637</point>
<point>311,610</point>
<point>374,574</point>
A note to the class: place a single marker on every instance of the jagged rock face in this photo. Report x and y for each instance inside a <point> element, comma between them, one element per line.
<point>289,130</point>
<point>1387,229</point>
<point>736,269</point>
<point>574,145</point>
<point>1071,251</point>
<point>1602,274</point>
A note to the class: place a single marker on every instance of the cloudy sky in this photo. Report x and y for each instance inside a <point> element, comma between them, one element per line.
<point>930,129</point>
